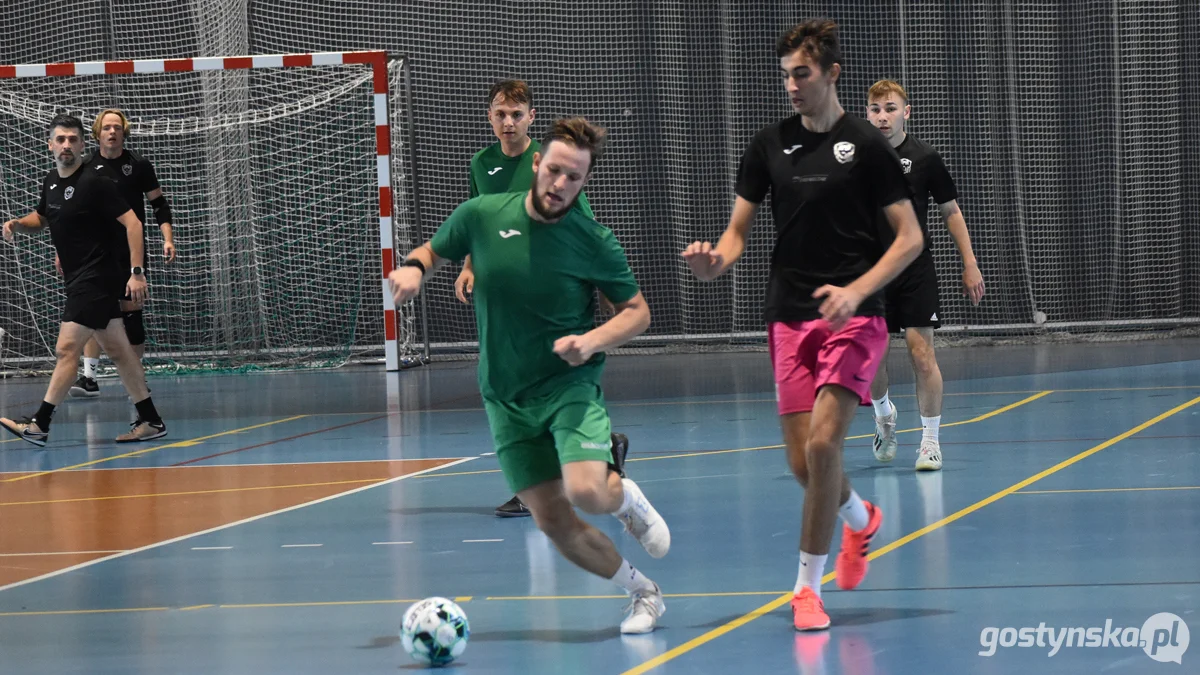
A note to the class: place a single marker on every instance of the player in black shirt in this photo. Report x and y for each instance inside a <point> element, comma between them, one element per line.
<point>137,182</point>
<point>912,299</point>
<point>81,205</point>
<point>832,178</point>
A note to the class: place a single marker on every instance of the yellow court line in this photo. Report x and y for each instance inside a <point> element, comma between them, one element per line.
<point>786,598</point>
<point>1137,489</point>
<point>705,453</point>
<point>196,492</point>
<point>629,404</point>
<point>136,453</point>
<point>88,611</point>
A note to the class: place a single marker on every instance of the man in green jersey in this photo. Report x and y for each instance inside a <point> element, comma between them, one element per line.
<point>539,262</point>
<point>507,166</point>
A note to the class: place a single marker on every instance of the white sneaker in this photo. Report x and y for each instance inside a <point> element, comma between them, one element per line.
<point>644,609</point>
<point>885,436</point>
<point>929,457</point>
<point>644,523</point>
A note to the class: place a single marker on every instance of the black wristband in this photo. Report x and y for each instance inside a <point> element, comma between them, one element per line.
<point>413,262</point>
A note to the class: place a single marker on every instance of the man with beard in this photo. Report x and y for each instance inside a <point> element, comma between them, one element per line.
<point>539,262</point>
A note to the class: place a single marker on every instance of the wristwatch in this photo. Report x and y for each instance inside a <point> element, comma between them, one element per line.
<point>137,271</point>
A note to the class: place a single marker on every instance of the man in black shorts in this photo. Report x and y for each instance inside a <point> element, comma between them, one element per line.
<point>82,207</point>
<point>912,299</point>
<point>137,182</point>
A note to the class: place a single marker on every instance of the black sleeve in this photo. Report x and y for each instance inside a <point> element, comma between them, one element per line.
<point>754,172</point>
<point>147,179</point>
<point>107,199</point>
<point>941,184</point>
<point>886,183</point>
<point>41,207</point>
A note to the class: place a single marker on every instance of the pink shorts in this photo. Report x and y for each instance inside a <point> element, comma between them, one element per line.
<point>807,355</point>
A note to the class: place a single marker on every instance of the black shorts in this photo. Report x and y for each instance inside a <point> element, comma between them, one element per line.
<point>912,298</point>
<point>92,305</point>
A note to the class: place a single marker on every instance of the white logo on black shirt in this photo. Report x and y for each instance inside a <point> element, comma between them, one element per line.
<point>906,163</point>
<point>843,152</point>
<point>792,149</point>
<point>69,192</point>
<point>127,169</point>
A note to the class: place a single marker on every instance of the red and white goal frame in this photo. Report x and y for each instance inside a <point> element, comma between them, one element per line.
<point>378,62</point>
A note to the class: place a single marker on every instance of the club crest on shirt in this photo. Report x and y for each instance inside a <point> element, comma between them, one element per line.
<point>843,152</point>
<point>128,170</point>
<point>906,163</point>
<point>69,192</point>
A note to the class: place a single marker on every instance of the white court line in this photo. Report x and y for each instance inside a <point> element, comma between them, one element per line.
<point>302,546</point>
<point>227,526</point>
<point>480,541</point>
<point>389,543</point>
<point>211,548</point>
<point>23,555</point>
<point>225,466</point>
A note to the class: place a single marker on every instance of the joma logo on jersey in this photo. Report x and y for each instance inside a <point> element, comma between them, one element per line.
<point>509,233</point>
<point>494,171</point>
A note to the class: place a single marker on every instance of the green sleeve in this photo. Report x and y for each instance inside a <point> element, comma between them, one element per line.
<point>584,207</point>
<point>453,238</point>
<point>610,270</point>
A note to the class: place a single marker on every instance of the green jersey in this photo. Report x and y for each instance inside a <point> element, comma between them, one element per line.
<point>493,172</point>
<point>534,283</point>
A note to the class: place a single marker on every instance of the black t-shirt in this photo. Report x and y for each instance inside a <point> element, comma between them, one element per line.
<point>82,210</point>
<point>134,176</point>
<point>827,195</point>
<point>927,174</point>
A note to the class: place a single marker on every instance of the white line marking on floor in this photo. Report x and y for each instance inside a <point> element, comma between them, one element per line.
<point>301,545</point>
<point>480,541</point>
<point>226,526</point>
<point>23,555</point>
<point>389,543</point>
<point>211,548</point>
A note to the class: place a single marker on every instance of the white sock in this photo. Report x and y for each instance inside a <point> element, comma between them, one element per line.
<point>626,504</point>
<point>631,580</point>
<point>883,407</point>
<point>854,512</point>
<point>90,366</point>
<point>929,428</point>
<point>812,568</point>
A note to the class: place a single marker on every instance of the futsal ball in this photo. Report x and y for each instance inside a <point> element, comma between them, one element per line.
<point>435,631</point>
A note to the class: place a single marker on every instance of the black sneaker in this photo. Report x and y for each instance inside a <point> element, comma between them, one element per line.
<point>85,387</point>
<point>620,448</point>
<point>512,508</point>
<point>27,430</point>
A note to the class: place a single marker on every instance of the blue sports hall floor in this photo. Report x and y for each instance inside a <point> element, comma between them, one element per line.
<point>290,518</point>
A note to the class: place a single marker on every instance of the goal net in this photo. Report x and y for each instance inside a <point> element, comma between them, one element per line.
<point>280,173</point>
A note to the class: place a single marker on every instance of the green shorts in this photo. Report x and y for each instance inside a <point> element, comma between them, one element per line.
<point>535,437</point>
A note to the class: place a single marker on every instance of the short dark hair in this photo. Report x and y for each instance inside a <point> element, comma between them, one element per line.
<point>67,122</point>
<point>513,91</point>
<point>580,133</point>
<point>818,38</point>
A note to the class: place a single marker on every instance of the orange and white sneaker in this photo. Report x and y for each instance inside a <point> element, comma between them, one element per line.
<point>808,611</point>
<point>851,565</point>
